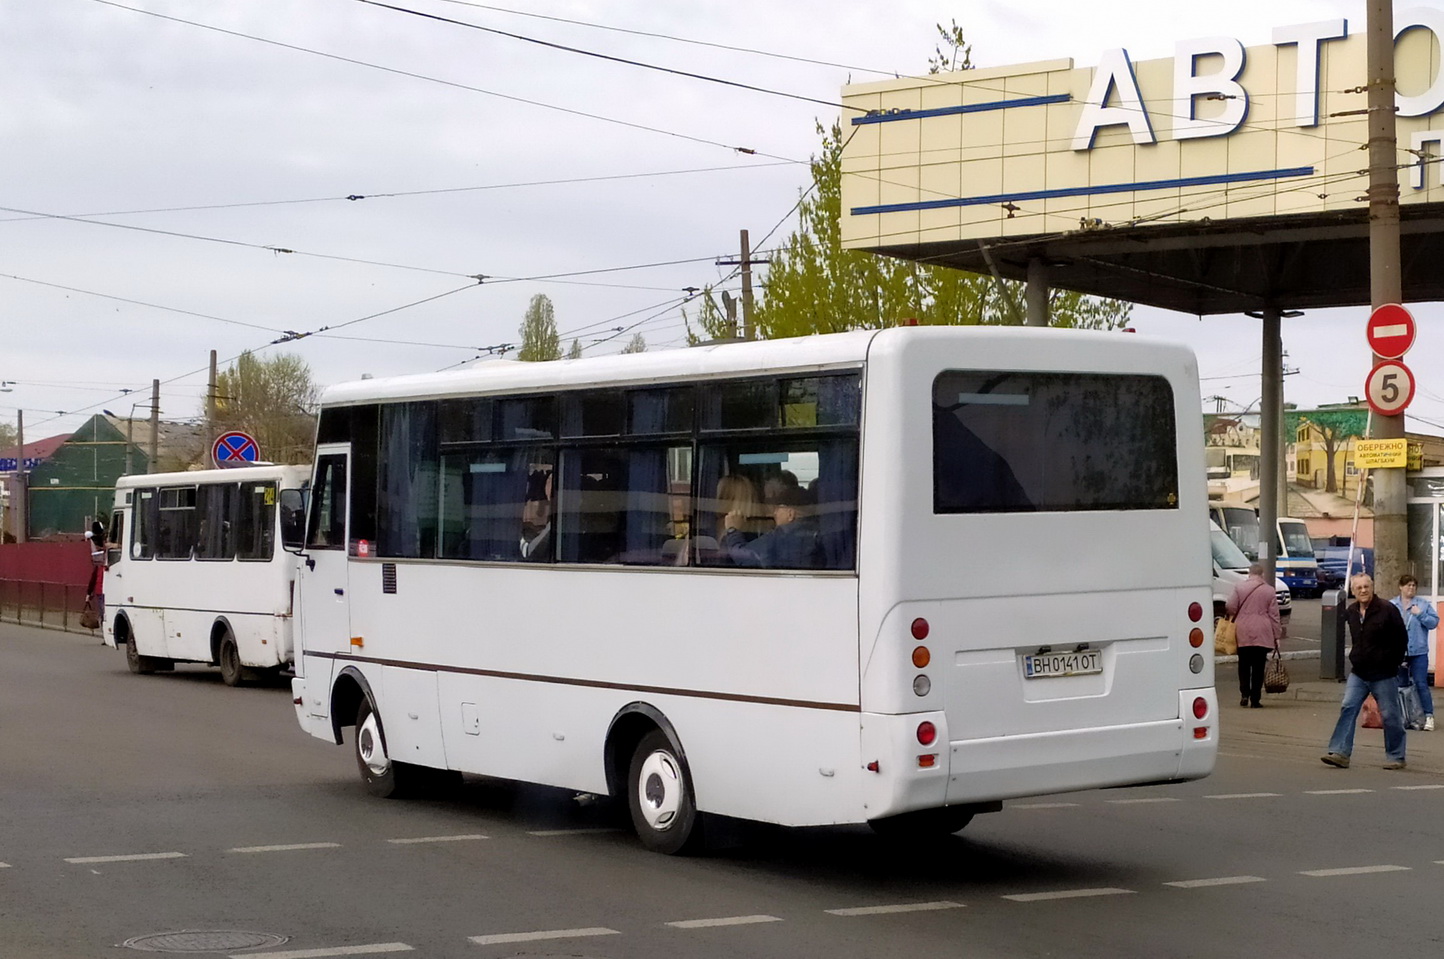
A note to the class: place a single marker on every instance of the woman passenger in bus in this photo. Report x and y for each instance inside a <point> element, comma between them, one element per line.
<point>739,513</point>
<point>792,543</point>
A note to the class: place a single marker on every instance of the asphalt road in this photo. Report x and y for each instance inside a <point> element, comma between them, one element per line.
<point>138,805</point>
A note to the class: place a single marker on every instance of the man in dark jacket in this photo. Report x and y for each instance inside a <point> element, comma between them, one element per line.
<point>1379,643</point>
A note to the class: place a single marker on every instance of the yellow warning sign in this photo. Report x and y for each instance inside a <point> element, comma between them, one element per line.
<point>1381,454</point>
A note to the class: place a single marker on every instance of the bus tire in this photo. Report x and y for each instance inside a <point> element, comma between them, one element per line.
<point>660,797</point>
<point>228,657</point>
<point>384,777</point>
<point>140,665</point>
<point>923,823</point>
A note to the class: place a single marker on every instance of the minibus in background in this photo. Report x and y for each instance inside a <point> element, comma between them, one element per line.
<point>1294,560</point>
<point>197,572</point>
<point>806,581</point>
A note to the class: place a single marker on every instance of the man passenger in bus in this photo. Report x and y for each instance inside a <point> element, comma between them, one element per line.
<point>535,545</point>
<point>792,542</point>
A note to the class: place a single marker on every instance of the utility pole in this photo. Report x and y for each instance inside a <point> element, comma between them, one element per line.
<point>745,262</point>
<point>154,425</point>
<point>1391,532</point>
<point>22,509</point>
<point>211,392</point>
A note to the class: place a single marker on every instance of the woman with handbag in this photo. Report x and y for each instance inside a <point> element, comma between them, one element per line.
<point>1255,610</point>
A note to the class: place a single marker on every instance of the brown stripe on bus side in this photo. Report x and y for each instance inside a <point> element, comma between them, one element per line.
<point>590,683</point>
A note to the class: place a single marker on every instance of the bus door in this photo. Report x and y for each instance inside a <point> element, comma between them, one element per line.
<point>321,580</point>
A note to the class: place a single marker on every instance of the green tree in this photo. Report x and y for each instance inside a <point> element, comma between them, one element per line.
<point>1335,426</point>
<point>7,436</point>
<point>637,344</point>
<point>575,353</point>
<point>539,338</point>
<point>273,399</point>
<point>815,286</point>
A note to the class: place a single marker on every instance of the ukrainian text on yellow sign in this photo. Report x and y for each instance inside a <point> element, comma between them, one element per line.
<point>1381,454</point>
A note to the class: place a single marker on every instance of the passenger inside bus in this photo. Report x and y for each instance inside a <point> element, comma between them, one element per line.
<point>535,545</point>
<point>791,544</point>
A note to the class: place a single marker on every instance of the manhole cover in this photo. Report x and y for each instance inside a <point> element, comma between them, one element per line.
<point>203,941</point>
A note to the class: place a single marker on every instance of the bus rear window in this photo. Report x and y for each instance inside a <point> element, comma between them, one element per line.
<point>1017,441</point>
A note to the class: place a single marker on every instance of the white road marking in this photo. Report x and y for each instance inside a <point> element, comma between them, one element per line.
<point>1244,796</point>
<point>1130,802</point>
<point>4,865</point>
<point>288,847</point>
<point>548,934</point>
<point>463,838</point>
<point>1428,786</point>
<point>901,907</point>
<point>1042,805</point>
<point>1068,894</point>
<point>729,921</point>
<point>571,832</point>
<point>1221,881</point>
<point>367,950</point>
<point>1335,792</point>
<point>1352,871</point>
<point>133,858</point>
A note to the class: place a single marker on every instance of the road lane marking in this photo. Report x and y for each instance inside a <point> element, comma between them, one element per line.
<point>287,847</point>
<point>367,950</point>
<point>1352,871</point>
<point>1335,792</point>
<point>571,832</point>
<point>1068,894</point>
<point>1130,802</point>
<point>505,937</point>
<point>729,921</point>
<point>137,857</point>
<point>4,865</point>
<point>900,907</point>
<point>1428,786</point>
<point>1043,805</point>
<point>462,838</point>
<point>1244,796</point>
<point>1221,881</point>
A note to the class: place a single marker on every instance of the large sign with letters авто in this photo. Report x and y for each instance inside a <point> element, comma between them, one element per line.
<point>1217,131</point>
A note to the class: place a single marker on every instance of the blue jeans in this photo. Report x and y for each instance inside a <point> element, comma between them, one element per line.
<point>1386,694</point>
<point>1416,670</point>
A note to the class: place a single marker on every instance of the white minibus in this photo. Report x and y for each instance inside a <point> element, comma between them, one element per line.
<point>197,572</point>
<point>823,580</point>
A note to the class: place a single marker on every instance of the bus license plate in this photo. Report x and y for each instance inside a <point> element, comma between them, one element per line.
<point>1045,665</point>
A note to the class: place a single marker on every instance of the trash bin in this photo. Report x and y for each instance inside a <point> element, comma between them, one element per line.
<point>1331,634</point>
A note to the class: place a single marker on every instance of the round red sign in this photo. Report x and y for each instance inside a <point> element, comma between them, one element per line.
<point>1390,331</point>
<point>1389,388</point>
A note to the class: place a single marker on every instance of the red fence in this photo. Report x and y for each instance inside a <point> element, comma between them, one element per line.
<point>44,584</point>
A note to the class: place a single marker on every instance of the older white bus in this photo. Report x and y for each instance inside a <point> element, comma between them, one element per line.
<point>892,577</point>
<point>197,572</point>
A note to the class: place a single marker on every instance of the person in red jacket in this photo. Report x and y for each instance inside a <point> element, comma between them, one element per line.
<point>1380,641</point>
<point>1254,607</point>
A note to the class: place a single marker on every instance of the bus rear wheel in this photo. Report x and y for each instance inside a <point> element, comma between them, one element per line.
<point>660,798</point>
<point>228,656</point>
<point>923,823</point>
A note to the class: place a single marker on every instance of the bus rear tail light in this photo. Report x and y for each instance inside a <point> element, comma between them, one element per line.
<point>1200,708</point>
<point>920,628</point>
<point>922,656</point>
<point>927,733</point>
<point>1195,612</point>
<point>1195,637</point>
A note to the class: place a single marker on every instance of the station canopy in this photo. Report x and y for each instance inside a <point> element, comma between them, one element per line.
<point>1221,180</point>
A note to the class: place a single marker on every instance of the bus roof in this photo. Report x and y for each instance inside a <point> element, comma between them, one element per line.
<point>802,353</point>
<point>239,474</point>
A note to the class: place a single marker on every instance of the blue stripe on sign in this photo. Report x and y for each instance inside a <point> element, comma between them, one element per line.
<point>892,115</point>
<point>1104,188</point>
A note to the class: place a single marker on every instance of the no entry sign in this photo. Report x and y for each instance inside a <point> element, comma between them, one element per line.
<point>235,449</point>
<point>1389,388</point>
<point>1390,331</point>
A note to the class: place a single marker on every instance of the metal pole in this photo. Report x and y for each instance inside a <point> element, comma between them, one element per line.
<point>22,482</point>
<point>1269,419</point>
<point>154,425</point>
<point>746,287</point>
<point>1391,531</point>
<point>1035,293</point>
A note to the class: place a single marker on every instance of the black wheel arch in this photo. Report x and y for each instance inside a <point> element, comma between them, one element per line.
<point>628,726</point>
<point>348,689</point>
<point>121,629</point>
<point>220,628</point>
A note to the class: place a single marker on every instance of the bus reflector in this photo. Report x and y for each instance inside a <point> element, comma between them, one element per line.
<point>1200,708</point>
<point>927,732</point>
<point>1195,637</point>
<point>1200,732</point>
<point>921,656</point>
<point>928,761</point>
<point>1195,612</point>
<point>358,641</point>
<point>920,628</point>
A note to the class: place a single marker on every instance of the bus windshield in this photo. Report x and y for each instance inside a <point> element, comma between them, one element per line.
<point>1241,524</point>
<point>1226,552</point>
<point>1296,542</point>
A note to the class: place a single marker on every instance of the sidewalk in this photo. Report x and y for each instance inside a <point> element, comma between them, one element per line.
<point>1297,723</point>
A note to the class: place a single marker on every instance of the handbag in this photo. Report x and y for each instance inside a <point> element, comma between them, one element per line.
<point>1225,637</point>
<point>1370,712</point>
<point>1276,674</point>
<point>1410,707</point>
<point>89,616</point>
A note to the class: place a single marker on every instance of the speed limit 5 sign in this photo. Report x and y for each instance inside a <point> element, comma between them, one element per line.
<point>1389,388</point>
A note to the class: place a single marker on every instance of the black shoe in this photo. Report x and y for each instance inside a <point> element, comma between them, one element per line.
<point>1255,705</point>
<point>1243,701</point>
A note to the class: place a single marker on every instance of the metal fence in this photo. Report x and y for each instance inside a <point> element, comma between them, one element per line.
<point>44,604</point>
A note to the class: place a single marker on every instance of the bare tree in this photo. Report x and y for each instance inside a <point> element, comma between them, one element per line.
<point>274,400</point>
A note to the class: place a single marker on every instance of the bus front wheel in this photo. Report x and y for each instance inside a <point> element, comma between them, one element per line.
<point>659,795</point>
<point>384,778</point>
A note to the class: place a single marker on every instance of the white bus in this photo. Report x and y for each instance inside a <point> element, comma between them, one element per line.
<point>197,572</point>
<point>946,567</point>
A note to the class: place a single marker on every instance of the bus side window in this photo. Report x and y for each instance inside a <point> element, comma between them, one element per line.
<point>328,513</point>
<point>115,538</point>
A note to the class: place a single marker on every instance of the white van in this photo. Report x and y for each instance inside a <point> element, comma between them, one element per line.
<point>1230,567</point>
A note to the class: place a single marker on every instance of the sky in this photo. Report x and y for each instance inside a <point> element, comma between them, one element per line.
<point>333,167</point>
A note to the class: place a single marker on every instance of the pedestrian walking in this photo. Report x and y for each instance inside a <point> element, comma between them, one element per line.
<point>1376,629</point>
<point>1255,610</point>
<point>1419,618</point>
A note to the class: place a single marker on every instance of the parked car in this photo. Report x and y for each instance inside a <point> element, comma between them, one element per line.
<point>1333,560</point>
